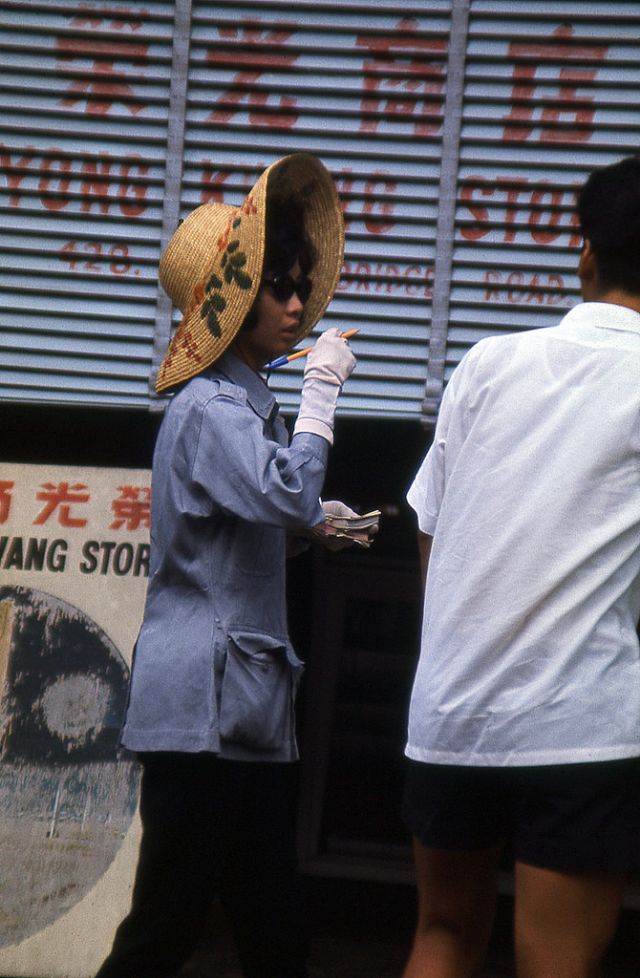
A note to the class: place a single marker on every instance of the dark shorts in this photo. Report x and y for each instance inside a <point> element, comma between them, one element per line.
<point>570,817</point>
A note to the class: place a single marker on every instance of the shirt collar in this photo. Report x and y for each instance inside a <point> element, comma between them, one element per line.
<point>238,372</point>
<point>606,315</point>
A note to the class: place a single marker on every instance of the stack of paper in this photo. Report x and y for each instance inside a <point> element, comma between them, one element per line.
<point>358,529</point>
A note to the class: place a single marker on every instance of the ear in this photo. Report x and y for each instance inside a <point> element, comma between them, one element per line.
<point>588,270</point>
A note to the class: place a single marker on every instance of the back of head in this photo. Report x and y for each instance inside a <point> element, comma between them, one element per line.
<point>609,212</point>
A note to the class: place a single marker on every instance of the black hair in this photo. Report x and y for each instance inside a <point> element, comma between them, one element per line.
<point>286,237</point>
<point>286,242</point>
<point>609,212</point>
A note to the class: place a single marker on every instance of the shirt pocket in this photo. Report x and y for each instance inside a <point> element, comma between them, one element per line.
<point>257,689</point>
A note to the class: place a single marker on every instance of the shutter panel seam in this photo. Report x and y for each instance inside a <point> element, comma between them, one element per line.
<point>173,182</point>
<point>447,197</point>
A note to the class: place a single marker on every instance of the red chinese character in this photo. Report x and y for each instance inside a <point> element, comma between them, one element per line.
<point>60,498</point>
<point>133,508</point>
<point>569,117</point>
<point>253,60</point>
<point>104,84</point>
<point>5,500</point>
<point>401,80</point>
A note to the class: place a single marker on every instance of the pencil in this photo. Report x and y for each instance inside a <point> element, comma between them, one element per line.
<point>280,361</point>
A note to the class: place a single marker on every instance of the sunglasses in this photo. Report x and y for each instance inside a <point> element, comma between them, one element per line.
<point>283,287</point>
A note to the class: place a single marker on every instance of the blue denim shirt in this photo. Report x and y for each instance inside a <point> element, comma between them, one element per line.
<point>214,669</point>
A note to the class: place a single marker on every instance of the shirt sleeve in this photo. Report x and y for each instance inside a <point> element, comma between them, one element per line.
<point>252,476</point>
<point>427,490</point>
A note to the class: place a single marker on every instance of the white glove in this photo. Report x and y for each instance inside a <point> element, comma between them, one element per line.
<point>335,507</point>
<point>328,366</point>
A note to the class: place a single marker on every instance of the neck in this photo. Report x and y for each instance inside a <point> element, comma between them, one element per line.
<point>617,297</point>
<point>239,350</point>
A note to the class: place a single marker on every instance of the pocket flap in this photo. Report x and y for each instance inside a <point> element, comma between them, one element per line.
<point>252,643</point>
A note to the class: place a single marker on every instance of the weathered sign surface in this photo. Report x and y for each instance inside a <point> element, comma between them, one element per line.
<point>73,570</point>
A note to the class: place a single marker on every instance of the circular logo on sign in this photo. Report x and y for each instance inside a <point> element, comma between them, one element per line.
<point>66,798</point>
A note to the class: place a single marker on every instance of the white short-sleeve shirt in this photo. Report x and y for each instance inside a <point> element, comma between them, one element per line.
<point>531,491</point>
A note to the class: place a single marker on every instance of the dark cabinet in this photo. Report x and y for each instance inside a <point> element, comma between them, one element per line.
<point>363,650</point>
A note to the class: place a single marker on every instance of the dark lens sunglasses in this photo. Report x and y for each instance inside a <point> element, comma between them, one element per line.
<point>284,286</point>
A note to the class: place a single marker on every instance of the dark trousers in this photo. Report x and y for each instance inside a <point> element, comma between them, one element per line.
<point>213,827</point>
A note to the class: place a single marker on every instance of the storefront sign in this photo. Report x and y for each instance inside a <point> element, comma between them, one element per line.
<point>74,557</point>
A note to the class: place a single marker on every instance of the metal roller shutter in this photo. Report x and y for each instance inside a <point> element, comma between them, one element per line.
<point>550,93</point>
<point>85,95</point>
<point>457,132</point>
<point>361,85</point>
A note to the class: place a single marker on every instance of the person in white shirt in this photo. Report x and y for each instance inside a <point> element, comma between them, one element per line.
<point>524,723</point>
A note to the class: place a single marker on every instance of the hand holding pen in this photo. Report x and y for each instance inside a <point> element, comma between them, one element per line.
<point>281,361</point>
<point>328,365</point>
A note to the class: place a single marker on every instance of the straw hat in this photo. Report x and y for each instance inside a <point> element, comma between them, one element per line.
<point>212,266</point>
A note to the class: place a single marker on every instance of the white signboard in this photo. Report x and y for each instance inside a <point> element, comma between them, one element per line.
<point>74,551</point>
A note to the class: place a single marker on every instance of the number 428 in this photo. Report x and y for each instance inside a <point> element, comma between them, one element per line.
<point>93,256</point>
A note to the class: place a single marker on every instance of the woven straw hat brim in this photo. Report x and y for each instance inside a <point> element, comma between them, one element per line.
<point>212,267</point>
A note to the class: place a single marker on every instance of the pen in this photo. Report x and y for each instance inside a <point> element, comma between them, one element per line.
<point>280,361</point>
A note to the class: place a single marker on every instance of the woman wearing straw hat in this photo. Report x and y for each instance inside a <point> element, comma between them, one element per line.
<point>214,676</point>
